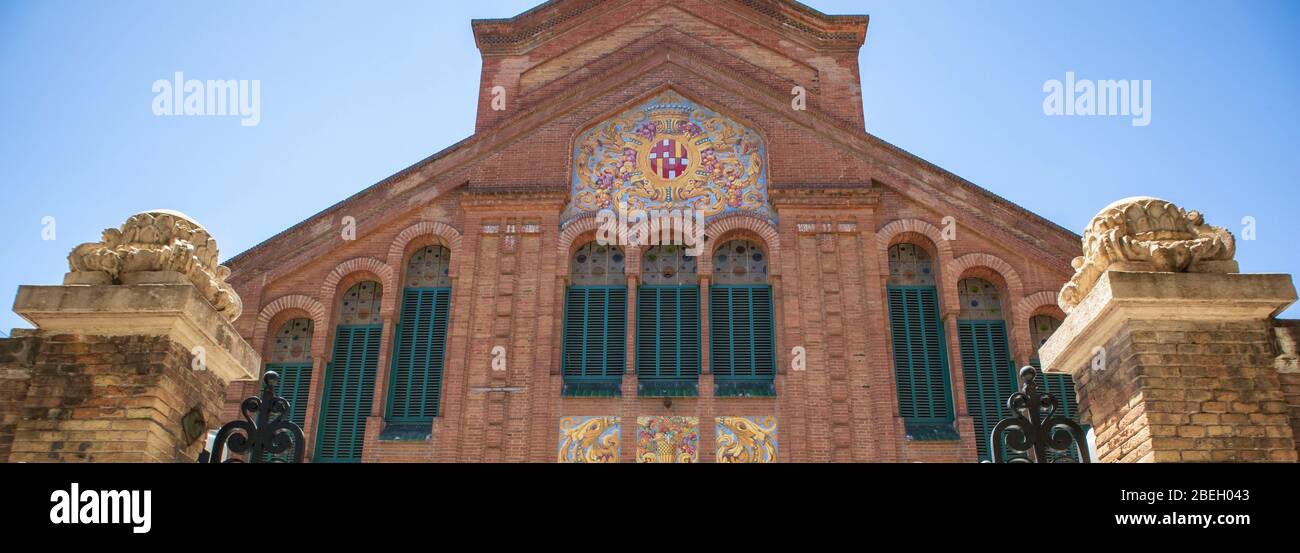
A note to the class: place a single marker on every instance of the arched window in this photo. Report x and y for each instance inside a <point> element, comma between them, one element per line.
<point>741,335</point>
<point>350,376</point>
<point>595,322</point>
<point>289,355</point>
<point>415,381</point>
<point>1061,386</point>
<point>668,324</point>
<point>919,346</point>
<point>987,368</point>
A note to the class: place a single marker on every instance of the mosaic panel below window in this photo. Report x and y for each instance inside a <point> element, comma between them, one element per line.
<point>746,439</point>
<point>668,439</point>
<point>589,439</point>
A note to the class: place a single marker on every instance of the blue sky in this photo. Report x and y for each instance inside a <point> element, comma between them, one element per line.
<point>352,92</point>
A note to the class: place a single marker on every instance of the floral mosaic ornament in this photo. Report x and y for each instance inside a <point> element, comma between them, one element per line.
<point>669,153</point>
<point>746,439</point>
<point>589,440</point>
<point>668,439</point>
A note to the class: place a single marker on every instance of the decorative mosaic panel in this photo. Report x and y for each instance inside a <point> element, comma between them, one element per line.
<point>668,265</point>
<point>668,439</point>
<point>669,153</point>
<point>292,342</point>
<point>979,300</point>
<point>910,265</point>
<point>429,267</point>
<point>739,262</point>
<point>597,265</point>
<point>589,440</point>
<point>360,304</point>
<point>746,439</point>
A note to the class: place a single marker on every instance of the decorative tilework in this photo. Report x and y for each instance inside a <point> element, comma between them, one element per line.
<point>746,439</point>
<point>669,153</point>
<point>668,439</point>
<point>589,440</point>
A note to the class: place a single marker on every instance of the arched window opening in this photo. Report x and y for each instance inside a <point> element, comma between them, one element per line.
<point>419,351</point>
<point>668,324</point>
<point>594,353</point>
<point>919,346</point>
<point>350,376</point>
<point>741,333</point>
<point>987,368</point>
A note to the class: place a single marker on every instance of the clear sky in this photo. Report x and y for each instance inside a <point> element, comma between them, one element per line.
<point>352,92</point>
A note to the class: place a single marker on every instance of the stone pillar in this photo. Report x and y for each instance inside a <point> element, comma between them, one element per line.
<point>1171,349</point>
<point>132,355</point>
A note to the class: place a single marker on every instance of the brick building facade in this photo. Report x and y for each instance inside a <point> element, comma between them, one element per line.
<point>852,302</point>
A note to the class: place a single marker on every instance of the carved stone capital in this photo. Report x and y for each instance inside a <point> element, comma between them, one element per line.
<point>160,246</point>
<point>1144,234</point>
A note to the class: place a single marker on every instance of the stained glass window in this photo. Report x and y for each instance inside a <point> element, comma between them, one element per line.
<point>739,262</point>
<point>360,304</point>
<point>979,300</point>
<point>430,267</point>
<point>292,342</point>
<point>1041,327</point>
<point>597,265</point>
<point>668,265</point>
<point>910,265</point>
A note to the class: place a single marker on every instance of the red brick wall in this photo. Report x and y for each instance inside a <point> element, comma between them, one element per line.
<point>830,295</point>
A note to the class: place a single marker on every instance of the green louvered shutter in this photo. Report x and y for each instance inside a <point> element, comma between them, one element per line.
<point>920,355</point>
<point>989,374</point>
<point>415,382</point>
<point>595,339</point>
<point>741,339</point>
<point>295,387</point>
<point>1061,386</point>
<point>349,394</point>
<point>668,340</point>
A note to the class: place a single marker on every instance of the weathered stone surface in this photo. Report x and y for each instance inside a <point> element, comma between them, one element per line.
<point>153,247</point>
<point>1147,234</point>
<point>177,311</point>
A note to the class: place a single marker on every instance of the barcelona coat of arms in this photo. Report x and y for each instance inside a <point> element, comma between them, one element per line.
<point>669,153</point>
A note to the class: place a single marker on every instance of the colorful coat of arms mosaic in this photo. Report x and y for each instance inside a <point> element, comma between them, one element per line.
<point>746,439</point>
<point>669,153</point>
<point>668,439</point>
<point>589,439</point>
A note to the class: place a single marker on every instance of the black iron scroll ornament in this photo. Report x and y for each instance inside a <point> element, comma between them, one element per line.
<point>265,434</point>
<point>1035,426</point>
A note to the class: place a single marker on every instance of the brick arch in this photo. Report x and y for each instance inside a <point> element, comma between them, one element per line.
<point>572,232</point>
<point>383,271</point>
<point>1040,303</point>
<point>293,302</point>
<point>888,235</point>
<point>444,232</point>
<point>737,226</point>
